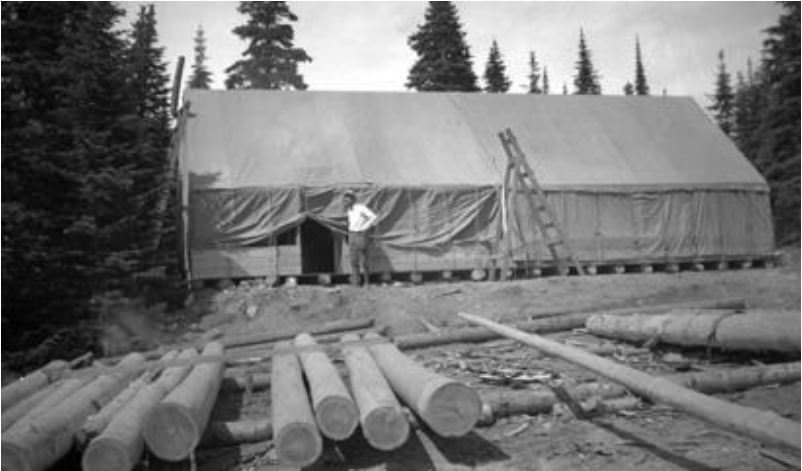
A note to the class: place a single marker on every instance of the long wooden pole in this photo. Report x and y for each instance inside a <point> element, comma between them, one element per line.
<point>174,427</point>
<point>383,422</point>
<point>335,410</point>
<point>295,432</point>
<point>764,426</point>
<point>449,407</point>
<point>49,436</point>
<point>121,444</point>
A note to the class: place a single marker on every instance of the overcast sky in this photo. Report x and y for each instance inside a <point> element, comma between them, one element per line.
<point>363,45</point>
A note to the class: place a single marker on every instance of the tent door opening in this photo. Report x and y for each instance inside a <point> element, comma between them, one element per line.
<point>317,248</point>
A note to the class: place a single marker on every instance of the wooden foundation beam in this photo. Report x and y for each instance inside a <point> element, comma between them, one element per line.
<point>335,411</point>
<point>41,442</point>
<point>174,427</point>
<point>122,442</point>
<point>383,422</point>
<point>297,440</point>
<point>449,407</point>
<point>764,426</point>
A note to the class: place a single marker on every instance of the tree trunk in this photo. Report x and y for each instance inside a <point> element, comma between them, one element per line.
<point>720,303</point>
<point>174,427</point>
<point>14,413</point>
<point>764,426</point>
<point>27,385</point>
<point>122,442</point>
<point>449,407</point>
<point>335,411</point>
<point>295,432</point>
<point>751,331</point>
<point>383,423</point>
<point>46,438</point>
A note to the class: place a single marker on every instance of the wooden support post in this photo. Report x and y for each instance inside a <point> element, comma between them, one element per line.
<point>672,267</point>
<point>295,433</point>
<point>591,270</point>
<point>449,407</point>
<point>40,443</point>
<point>755,330</point>
<point>174,427</point>
<point>27,385</point>
<point>764,426</point>
<point>620,269</point>
<point>383,423</point>
<point>646,268</point>
<point>122,442</point>
<point>335,411</point>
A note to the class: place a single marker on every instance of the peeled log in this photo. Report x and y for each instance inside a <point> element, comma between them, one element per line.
<point>23,407</point>
<point>174,427</point>
<point>96,423</point>
<point>335,411</point>
<point>122,443</point>
<point>764,426</point>
<point>752,331</point>
<point>295,433</point>
<point>383,423</point>
<point>40,443</point>
<point>449,407</point>
<point>27,385</point>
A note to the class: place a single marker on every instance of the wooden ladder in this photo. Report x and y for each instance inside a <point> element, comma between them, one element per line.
<point>518,168</point>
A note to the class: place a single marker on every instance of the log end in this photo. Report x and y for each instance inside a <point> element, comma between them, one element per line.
<point>105,454</point>
<point>298,444</point>
<point>15,458</point>
<point>450,408</point>
<point>386,428</point>
<point>337,417</point>
<point>170,431</point>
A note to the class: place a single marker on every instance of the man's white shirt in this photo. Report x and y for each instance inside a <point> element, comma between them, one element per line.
<point>360,218</point>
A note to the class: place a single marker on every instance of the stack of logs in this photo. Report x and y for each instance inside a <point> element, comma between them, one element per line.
<point>163,400</point>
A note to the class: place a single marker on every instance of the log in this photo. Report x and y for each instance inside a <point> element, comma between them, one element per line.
<point>335,410</point>
<point>557,321</point>
<point>122,443</point>
<point>449,407</point>
<point>96,423</point>
<point>764,426</point>
<point>14,413</point>
<point>295,433</point>
<point>228,433</point>
<point>717,303</point>
<point>27,385</point>
<point>384,425</point>
<point>46,438</point>
<point>174,427</point>
<point>751,331</point>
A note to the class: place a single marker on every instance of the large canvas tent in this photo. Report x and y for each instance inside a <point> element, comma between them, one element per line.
<point>630,179</point>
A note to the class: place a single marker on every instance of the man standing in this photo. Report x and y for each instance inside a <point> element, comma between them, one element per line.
<point>360,222</point>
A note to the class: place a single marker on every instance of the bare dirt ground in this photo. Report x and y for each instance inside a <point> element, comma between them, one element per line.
<point>648,436</point>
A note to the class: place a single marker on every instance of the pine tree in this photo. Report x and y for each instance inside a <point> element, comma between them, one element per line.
<point>586,81</point>
<point>722,107</point>
<point>496,80</point>
<point>641,87</point>
<point>67,171</point>
<point>271,61</point>
<point>149,83</point>
<point>201,77</point>
<point>629,89</point>
<point>534,75</point>
<point>778,157</point>
<point>545,81</point>
<point>444,59</point>
<point>749,103</point>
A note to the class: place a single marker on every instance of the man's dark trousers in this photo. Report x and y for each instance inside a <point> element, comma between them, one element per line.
<point>359,245</point>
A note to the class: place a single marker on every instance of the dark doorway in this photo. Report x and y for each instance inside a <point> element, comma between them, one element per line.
<point>317,248</point>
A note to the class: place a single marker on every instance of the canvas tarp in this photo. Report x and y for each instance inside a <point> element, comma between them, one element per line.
<point>627,175</point>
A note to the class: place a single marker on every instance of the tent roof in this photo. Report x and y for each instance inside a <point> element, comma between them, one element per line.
<point>257,138</point>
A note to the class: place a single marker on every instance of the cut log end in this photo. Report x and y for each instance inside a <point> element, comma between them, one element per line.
<point>15,458</point>
<point>386,428</point>
<point>452,409</point>
<point>337,417</point>
<point>170,432</point>
<point>298,444</point>
<point>106,454</point>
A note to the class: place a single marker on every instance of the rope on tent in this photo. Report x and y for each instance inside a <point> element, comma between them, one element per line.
<point>598,232</point>
<point>273,240</point>
<point>414,227</point>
